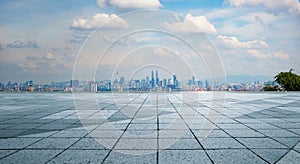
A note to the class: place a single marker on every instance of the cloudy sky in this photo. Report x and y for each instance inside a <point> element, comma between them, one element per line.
<point>51,40</point>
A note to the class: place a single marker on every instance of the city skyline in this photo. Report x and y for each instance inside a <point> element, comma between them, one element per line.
<point>41,40</point>
<point>147,83</point>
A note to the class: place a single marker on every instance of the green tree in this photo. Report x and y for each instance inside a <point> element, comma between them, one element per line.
<point>288,80</point>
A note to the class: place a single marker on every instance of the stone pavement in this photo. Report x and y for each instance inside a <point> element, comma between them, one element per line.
<point>187,127</point>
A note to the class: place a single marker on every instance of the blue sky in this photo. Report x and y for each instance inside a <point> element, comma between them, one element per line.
<point>41,39</point>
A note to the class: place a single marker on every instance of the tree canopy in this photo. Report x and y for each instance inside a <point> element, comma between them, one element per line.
<point>288,80</point>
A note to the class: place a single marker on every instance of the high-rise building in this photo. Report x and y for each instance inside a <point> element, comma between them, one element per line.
<point>175,82</point>
<point>193,80</point>
<point>74,83</point>
<point>152,79</point>
<point>156,78</point>
<point>122,81</point>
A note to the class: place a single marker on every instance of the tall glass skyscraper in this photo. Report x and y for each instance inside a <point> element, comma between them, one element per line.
<point>157,79</point>
<point>152,79</point>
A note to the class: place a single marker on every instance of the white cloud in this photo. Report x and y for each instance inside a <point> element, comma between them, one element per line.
<point>50,56</point>
<point>22,44</point>
<point>30,66</point>
<point>258,54</point>
<point>292,6</point>
<point>108,21</point>
<point>234,42</point>
<point>281,55</point>
<point>130,4</point>
<point>192,24</point>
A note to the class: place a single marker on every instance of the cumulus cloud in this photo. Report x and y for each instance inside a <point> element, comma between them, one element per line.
<point>22,44</point>
<point>192,24</point>
<point>28,66</point>
<point>130,4</point>
<point>49,56</point>
<point>257,54</point>
<point>234,42</point>
<point>108,21</point>
<point>292,6</point>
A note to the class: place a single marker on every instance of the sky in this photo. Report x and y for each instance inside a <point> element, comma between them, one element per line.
<point>52,40</point>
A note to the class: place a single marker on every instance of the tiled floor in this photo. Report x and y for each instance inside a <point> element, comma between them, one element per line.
<point>180,127</point>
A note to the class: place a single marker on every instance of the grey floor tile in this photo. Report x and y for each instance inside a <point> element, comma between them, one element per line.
<point>278,133</point>
<point>290,157</point>
<point>87,143</point>
<point>183,156</point>
<point>270,155</point>
<point>220,143</point>
<point>31,156</point>
<point>244,133</point>
<point>232,156</point>
<point>136,144</point>
<point>131,156</point>
<point>4,153</point>
<point>70,133</point>
<point>80,156</point>
<point>260,143</point>
<point>54,143</point>
<point>177,144</point>
<point>288,141</point>
<point>17,143</point>
<point>210,133</point>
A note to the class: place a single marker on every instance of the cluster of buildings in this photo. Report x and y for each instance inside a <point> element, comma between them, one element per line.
<point>153,83</point>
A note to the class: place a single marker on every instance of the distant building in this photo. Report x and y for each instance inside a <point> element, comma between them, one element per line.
<point>74,83</point>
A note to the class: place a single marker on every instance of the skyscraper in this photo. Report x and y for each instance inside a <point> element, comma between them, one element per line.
<point>156,78</point>
<point>152,79</point>
<point>175,82</point>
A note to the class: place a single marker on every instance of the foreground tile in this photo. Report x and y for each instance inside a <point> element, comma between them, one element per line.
<point>237,156</point>
<point>131,156</point>
<point>220,143</point>
<point>16,143</point>
<point>81,156</point>
<point>30,156</point>
<point>183,156</point>
<point>260,143</point>
<point>270,155</point>
<point>290,157</point>
<point>54,143</point>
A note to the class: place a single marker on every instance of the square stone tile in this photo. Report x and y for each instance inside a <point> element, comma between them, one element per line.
<point>37,133</point>
<point>31,156</point>
<point>290,157</point>
<point>234,156</point>
<point>183,156</point>
<point>131,156</point>
<point>232,126</point>
<point>136,144</point>
<point>278,133</point>
<point>70,133</point>
<point>220,143</point>
<point>288,141</point>
<point>87,143</point>
<point>210,133</point>
<point>4,153</point>
<point>270,155</point>
<point>262,126</point>
<point>54,143</point>
<point>81,156</point>
<point>10,133</point>
<point>244,133</point>
<point>179,144</point>
<point>140,134</point>
<point>175,134</point>
<point>17,143</point>
<point>260,143</point>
